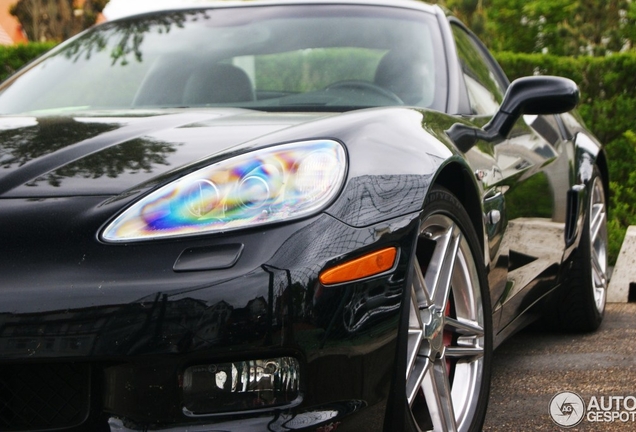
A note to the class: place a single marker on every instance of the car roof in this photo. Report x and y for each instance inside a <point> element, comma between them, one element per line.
<point>194,4</point>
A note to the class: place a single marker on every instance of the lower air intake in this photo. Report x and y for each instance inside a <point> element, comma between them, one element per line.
<point>47,396</point>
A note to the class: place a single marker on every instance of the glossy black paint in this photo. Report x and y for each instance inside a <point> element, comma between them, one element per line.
<point>89,302</point>
<point>67,295</point>
<point>137,315</point>
<point>93,154</point>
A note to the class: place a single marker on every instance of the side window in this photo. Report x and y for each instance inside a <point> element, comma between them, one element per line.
<point>483,83</point>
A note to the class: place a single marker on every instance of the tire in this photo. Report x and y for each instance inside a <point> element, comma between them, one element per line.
<point>449,348</point>
<point>582,302</point>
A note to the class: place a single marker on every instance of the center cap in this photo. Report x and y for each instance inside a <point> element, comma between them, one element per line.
<point>435,331</point>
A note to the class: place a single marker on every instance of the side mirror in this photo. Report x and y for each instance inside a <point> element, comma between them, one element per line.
<point>533,95</point>
<point>537,95</point>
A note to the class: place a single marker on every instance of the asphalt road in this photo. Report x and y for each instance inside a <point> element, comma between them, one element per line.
<point>532,367</point>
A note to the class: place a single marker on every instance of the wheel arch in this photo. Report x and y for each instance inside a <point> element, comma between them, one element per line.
<point>601,163</point>
<point>460,181</point>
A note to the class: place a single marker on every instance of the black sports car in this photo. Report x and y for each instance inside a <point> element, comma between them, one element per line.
<point>274,216</point>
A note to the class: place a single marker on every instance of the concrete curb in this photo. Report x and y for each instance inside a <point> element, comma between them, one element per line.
<point>625,270</point>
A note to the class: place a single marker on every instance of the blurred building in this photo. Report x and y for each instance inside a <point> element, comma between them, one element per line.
<point>10,29</point>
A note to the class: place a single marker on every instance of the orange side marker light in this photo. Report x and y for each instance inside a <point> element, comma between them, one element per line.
<point>368,265</point>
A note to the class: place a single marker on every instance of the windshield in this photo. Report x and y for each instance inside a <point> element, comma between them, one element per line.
<point>274,58</point>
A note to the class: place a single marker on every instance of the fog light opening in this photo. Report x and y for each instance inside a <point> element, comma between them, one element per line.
<point>225,388</point>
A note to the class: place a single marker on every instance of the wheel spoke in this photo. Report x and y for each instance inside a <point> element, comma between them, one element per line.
<point>599,279</point>
<point>598,268</point>
<point>437,392</point>
<point>415,336</point>
<point>414,383</point>
<point>598,221</point>
<point>414,344</point>
<point>420,288</point>
<point>460,352</point>
<point>440,269</point>
<point>464,328</point>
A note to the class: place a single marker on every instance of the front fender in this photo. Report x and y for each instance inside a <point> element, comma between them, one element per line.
<point>393,160</point>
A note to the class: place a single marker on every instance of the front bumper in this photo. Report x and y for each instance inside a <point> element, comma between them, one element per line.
<point>123,325</point>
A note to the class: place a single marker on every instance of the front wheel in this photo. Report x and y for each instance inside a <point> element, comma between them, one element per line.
<point>449,328</point>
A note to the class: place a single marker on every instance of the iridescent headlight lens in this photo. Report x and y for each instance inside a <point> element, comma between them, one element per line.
<point>269,185</point>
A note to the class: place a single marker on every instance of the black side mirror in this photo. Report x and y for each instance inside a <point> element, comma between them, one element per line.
<point>529,95</point>
<point>533,95</point>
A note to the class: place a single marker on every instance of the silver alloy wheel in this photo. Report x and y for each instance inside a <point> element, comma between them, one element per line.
<point>598,243</point>
<point>446,329</point>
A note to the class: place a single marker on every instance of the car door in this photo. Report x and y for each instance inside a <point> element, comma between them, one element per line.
<point>524,180</point>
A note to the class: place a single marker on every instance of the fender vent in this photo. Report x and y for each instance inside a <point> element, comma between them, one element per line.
<point>48,396</point>
<point>573,203</point>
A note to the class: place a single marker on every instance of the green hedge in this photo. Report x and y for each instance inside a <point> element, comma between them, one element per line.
<point>13,58</point>
<point>608,95</point>
<point>608,86</point>
<point>608,89</point>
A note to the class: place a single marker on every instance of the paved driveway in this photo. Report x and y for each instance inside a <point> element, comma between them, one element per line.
<point>531,368</point>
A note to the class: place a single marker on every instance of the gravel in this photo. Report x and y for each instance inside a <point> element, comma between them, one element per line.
<point>532,367</point>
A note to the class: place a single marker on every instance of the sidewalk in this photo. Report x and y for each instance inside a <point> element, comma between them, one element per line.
<point>624,272</point>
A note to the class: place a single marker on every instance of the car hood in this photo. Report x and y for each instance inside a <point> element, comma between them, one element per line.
<point>107,154</point>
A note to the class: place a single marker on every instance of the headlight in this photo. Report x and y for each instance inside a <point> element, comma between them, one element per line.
<point>269,185</point>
